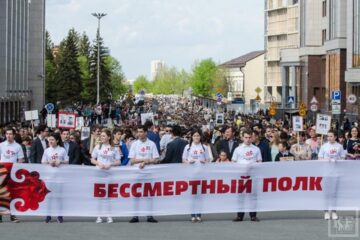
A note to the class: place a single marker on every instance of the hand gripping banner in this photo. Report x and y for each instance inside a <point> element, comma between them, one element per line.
<point>41,190</point>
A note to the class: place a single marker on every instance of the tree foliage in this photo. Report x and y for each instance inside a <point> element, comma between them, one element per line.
<point>207,79</point>
<point>141,83</point>
<point>71,76</point>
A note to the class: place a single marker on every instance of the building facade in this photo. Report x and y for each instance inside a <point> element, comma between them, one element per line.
<point>243,75</point>
<point>281,32</point>
<point>156,67</point>
<point>22,31</point>
<point>327,58</point>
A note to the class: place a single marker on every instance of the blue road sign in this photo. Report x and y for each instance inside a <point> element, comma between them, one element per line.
<point>291,99</point>
<point>336,95</point>
<point>49,107</point>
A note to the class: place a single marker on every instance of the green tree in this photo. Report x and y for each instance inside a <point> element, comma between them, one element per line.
<point>140,83</point>
<point>50,70</point>
<point>117,78</point>
<point>207,79</point>
<point>105,72</point>
<point>68,81</point>
<point>84,46</point>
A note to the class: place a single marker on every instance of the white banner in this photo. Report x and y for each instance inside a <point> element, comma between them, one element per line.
<point>183,189</point>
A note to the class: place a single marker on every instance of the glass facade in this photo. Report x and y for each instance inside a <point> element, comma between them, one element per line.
<point>356,32</point>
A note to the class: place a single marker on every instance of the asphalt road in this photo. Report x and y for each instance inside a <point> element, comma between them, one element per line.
<point>273,225</point>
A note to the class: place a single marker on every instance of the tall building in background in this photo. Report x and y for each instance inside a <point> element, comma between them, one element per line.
<point>281,32</point>
<point>352,74</point>
<point>156,67</point>
<point>22,37</point>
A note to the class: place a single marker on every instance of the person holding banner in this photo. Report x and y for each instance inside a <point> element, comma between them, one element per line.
<point>11,152</point>
<point>247,153</point>
<point>55,155</point>
<point>143,152</point>
<point>196,153</point>
<point>331,151</point>
<point>105,156</point>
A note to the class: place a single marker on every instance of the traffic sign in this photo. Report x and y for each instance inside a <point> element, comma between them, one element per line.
<point>302,110</point>
<point>272,109</point>
<point>291,99</point>
<point>49,107</point>
<point>352,98</point>
<point>219,95</point>
<point>336,109</point>
<point>336,96</point>
<point>314,107</point>
<point>314,100</point>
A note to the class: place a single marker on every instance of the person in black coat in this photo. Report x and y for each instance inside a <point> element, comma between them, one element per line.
<point>175,148</point>
<point>228,144</point>
<point>72,149</point>
<point>39,144</point>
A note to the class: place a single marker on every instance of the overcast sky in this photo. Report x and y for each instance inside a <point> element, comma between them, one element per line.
<point>176,31</point>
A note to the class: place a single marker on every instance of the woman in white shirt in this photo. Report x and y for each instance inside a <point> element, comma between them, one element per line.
<point>55,155</point>
<point>105,156</point>
<point>196,153</point>
<point>331,151</point>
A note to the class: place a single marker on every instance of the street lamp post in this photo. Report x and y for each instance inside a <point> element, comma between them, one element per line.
<point>98,16</point>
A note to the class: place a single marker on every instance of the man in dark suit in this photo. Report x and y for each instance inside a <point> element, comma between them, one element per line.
<point>39,144</point>
<point>229,143</point>
<point>72,149</point>
<point>175,148</point>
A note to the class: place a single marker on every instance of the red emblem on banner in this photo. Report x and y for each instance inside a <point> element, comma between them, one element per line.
<point>28,190</point>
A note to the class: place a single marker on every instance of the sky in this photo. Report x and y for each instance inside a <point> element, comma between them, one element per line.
<point>178,32</point>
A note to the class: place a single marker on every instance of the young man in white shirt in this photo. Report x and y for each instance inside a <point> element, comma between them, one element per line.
<point>331,151</point>
<point>247,153</point>
<point>11,152</point>
<point>143,152</point>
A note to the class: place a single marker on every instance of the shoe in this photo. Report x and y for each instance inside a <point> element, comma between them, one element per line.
<point>48,219</point>
<point>334,216</point>
<point>198,219</point>
<point>327,216</point>
<point>14,219</point>
<point>109,220</point>
<point>238,219</point>
<point>60,219</point>
<point>193,220</point>
<point>152,220</point>
<point>134,220</point>
<point>99,220</point>
<point>255,219</point>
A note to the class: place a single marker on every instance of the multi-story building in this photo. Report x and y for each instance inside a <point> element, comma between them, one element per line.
<point>156,67</point>
<point>244,74</point>
<point>352,74</point>
<point>328,56</point>
<point>22,28</point>
<point>281,32</point>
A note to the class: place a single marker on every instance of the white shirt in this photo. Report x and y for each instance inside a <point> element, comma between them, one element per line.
<point>332,151</point>
<point>10,152</point>
<point>197,153</point>
<point>106,154</point>
<point>57,153</point>
<point>143,150</point>
<point>247,154</point>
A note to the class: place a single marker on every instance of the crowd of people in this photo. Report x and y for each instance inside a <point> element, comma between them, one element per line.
<point>184,132</point>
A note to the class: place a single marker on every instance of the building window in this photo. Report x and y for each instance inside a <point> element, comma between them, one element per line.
<point>324,8</point>
<point>323,36</point>
<point>332,18</point>
<point>356,32</point>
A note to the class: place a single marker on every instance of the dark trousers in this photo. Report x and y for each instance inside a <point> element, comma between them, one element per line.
<point>241,214</point>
